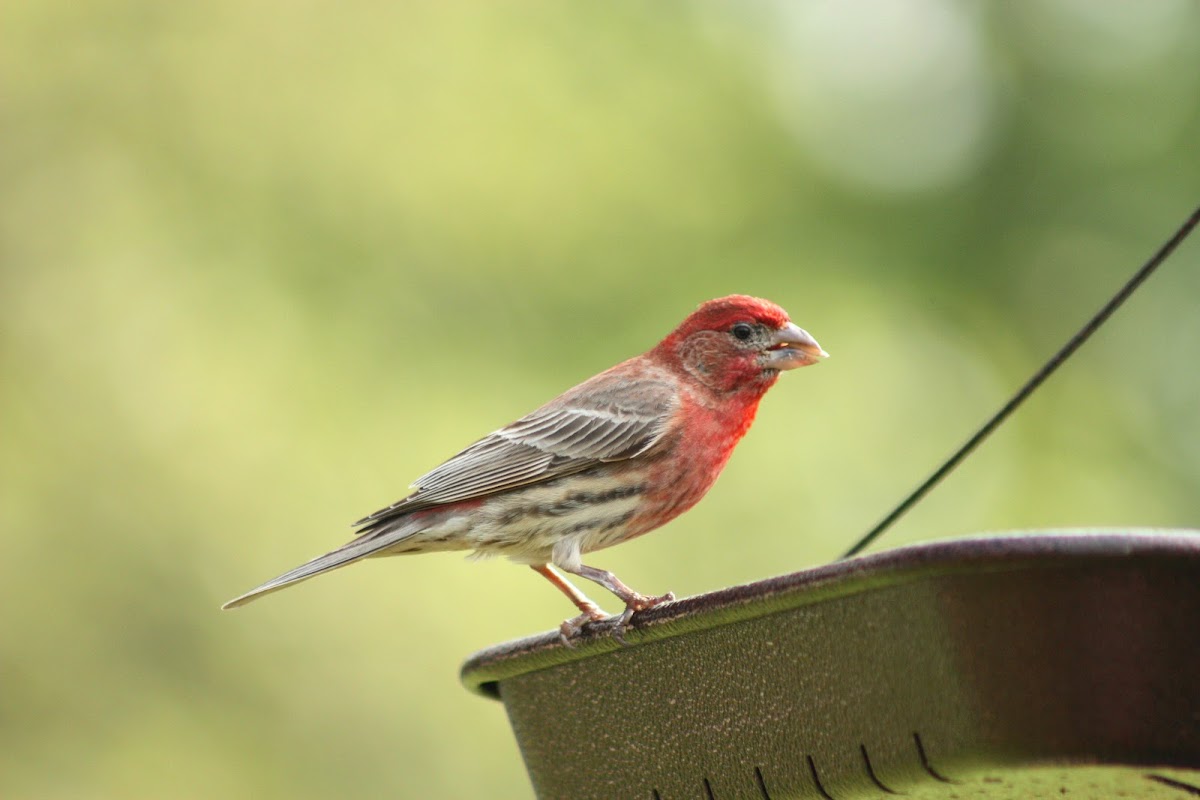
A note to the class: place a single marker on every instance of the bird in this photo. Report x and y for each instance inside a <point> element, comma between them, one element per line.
<point>615,457</point>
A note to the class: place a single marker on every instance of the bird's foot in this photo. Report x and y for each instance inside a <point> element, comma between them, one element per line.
<point>571,627</point>
<point>633,604</point>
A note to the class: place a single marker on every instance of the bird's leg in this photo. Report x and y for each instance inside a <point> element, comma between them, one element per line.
<point>634,601</point>
<point>591,611</point>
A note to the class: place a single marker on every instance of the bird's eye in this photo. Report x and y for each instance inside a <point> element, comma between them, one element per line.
<point>742,331</point>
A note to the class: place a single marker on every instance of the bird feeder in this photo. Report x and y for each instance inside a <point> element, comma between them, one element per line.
<point>1044,664</point>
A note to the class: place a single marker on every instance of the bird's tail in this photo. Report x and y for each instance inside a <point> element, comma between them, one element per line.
<point>369,544</point>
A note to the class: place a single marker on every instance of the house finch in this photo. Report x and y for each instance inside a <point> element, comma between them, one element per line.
<point>615,457</point>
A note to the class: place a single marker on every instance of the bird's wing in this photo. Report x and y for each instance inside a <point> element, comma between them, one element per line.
<point>608,418</point>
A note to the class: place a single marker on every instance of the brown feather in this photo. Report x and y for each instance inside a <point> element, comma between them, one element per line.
<point>612,417</point>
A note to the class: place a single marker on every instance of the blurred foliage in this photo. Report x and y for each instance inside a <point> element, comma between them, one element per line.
<point>261,265</point>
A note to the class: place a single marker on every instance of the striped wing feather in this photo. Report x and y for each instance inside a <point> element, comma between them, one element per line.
<point>609,418</point>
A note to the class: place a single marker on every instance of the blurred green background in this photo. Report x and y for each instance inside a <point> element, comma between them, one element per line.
<point>262,264</point>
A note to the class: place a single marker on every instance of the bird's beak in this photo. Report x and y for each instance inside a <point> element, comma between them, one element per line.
<point>792,347</point>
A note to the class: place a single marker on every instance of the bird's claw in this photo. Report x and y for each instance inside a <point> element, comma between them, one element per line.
<point>573,626</point>
<point>636,603</point>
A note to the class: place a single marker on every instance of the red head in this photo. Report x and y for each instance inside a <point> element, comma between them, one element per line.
<point>738,343</point>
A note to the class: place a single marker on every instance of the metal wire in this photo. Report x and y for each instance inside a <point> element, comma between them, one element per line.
<point>1039,377</point>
